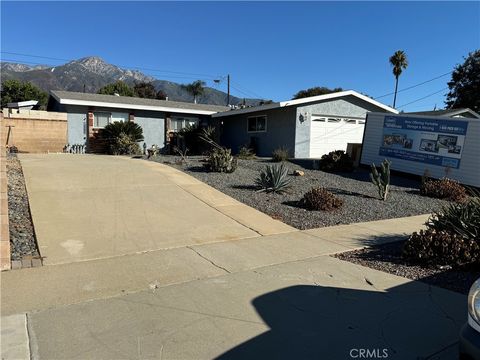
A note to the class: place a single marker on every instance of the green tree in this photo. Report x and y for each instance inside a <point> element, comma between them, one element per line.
<point>195,89</point>
<point>315,91</point>
<point>161,95</point>
<point>265,102</point>
<point>399,62</point>
<point>465,84</point>
<point>145,90</point>
<point>119,87</point>
<point>15,91</point>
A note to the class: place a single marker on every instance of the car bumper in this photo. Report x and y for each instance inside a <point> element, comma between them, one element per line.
<point>469,343</point>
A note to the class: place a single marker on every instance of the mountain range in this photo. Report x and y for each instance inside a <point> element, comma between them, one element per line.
<point>89,74</point>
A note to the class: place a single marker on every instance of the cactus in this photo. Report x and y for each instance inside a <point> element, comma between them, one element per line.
<point>382,179</point>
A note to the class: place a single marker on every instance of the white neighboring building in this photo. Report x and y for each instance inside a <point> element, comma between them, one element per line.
<point>442,145</point>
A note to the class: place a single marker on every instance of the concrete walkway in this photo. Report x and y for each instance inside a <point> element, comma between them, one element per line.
<point>265,291</point>
<point>316,308</point>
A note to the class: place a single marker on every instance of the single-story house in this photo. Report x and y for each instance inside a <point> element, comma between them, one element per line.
<point>308,127</point>
<point>87,115</point>
<point>462,113</point>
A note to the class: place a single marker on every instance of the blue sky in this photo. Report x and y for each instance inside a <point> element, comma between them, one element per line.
<point>271,49</point>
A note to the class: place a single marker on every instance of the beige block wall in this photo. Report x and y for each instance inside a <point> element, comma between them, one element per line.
<point>5,233</point>
<point>35,131</point>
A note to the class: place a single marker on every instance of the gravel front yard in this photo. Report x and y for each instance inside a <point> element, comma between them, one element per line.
<point>22,235</point>
<point>360,196</point>
<point>388,258</point>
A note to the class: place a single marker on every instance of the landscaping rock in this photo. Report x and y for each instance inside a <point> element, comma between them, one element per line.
<point>388,258</point>
<point>22,235</point>
<point>299,173</point>
<point>361,201</point>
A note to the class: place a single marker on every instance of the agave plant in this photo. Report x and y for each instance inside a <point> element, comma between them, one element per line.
<point>274,178</point>
<point>462,219</point>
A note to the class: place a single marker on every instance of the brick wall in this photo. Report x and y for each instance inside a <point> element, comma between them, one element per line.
<point>4,232</point>
<point>34,131</point>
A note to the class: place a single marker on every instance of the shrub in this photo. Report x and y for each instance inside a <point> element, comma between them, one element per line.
<point>274,178</point>
<point>129,128</point>
<point>183,155</point>
<point>124,145</point>
<point>280,154</point>
<point>245,153</point>
<point>192,138</point>
<point>451,238</point>
<point>443,189</point>
<point>441,248</point>
<point>321,199</point>
<point>462,219</point>
<point>381,179</point>
<point>221,160</point>
<point>335,161</point>
<point>122,137</point>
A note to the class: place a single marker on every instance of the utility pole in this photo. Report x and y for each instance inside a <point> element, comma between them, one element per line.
<point>228,85</point>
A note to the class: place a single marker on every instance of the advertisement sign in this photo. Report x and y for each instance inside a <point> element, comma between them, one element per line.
<point>432,141</point>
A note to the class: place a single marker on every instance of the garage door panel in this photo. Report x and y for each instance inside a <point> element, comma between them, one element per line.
<point>333,135</point>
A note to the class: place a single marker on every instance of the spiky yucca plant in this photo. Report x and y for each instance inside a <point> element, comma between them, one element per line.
<point>274,178</point>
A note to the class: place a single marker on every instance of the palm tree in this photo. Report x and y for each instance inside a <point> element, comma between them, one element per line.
<point>196,88</point>
<point>399,62</point>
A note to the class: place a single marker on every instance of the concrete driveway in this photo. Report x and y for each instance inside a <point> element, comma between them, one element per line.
<point>88,207</point>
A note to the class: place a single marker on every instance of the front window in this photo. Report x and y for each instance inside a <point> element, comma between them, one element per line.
<point>102,119</point>
<point>118,116</point>
<point>179,123</point>
<point>257,123</point>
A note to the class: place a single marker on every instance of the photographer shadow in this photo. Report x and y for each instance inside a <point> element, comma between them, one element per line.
<point>410,321</point>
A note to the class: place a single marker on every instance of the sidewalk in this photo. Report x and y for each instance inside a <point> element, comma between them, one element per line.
<point>264,296</point>
<point>315,308</point>
<point>64,284</point>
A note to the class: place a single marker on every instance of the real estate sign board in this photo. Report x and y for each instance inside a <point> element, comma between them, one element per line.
<point>431,141</point>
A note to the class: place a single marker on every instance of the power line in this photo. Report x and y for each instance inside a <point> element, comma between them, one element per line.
<point>52,65</point>
<point>241,91</point>
<point>414,86</point>
<point>35,56</point>
<point>211,77</point>
<point>122,66</point>
<point>424,97</point>
<point>248,91</point>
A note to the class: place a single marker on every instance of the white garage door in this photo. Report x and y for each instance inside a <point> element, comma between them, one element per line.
<point>333,133</point>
